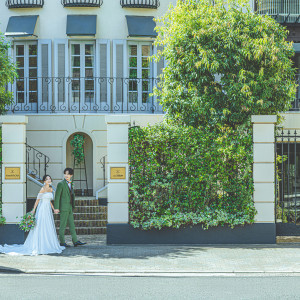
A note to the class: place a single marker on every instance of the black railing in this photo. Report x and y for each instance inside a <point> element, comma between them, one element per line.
<point>283,11</point>
<point>36,163</point>
<point>24,3</point>
<point>287,181</point>
<point>296,103</point>
<point>84,95</point>
<point>81,3</point>
<point>140,3</point>
<point>103,165</point>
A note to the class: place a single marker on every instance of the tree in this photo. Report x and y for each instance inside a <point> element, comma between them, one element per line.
<point>225,63</point>
<point>7,74</point>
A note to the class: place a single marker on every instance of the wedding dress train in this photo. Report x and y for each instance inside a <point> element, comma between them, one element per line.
<point>42,239</point>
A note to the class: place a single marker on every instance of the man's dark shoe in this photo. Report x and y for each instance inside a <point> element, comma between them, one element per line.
<point>78,243</point>
<point>65,245</point>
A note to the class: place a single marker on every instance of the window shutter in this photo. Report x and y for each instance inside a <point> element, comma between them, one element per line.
<point>103,84</point>
<point>158,71</point>
<point>120,80</point>
<point>44,74</point>
<point>11,84</point>
<point>61,73</point>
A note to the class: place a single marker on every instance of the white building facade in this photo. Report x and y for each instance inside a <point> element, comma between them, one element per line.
<point>79,60</point>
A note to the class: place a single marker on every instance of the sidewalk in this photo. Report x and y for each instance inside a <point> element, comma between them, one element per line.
<point>97,257</point>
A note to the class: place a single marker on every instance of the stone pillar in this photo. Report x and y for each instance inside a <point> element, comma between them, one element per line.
<point>117,164</point>
<point>13,176</point>
<point>264,167</point>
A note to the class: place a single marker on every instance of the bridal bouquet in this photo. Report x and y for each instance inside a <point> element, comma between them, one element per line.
<point>27,222</point>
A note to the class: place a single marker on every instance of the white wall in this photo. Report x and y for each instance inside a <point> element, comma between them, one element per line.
<point>49,134</point>
<point>111,22</point>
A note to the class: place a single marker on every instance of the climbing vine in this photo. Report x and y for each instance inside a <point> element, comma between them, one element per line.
<point>78,143</point>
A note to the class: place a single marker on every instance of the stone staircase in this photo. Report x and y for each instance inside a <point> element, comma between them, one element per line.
<point>90,217</point>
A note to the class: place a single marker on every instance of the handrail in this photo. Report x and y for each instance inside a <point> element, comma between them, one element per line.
<point>37,181</point>
<point>140,3</point>
<point>36,162</point>
<point>24,3</point>
<point>101,190</point>
<point>283,11</point>
<point>85,95</point>
<point>81,3</point>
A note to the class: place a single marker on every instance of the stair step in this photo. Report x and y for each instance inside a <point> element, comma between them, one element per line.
<point>85,198</point>
<point>287,239</point>
<point>85,231</point>
<point>86,202</point>
<point>86,223</point>
<point>86,216</point>
<point>90,209</point>
<point>90,217</point>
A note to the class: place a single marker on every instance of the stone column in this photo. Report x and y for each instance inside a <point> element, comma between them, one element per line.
<point>13,176</point>
<point>117,163</point>
<point>264,167</point>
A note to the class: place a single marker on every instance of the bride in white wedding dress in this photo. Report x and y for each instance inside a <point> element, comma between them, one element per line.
<point>42,239</point>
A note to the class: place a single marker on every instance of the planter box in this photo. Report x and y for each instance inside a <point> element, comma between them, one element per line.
<point>258,233</point>
<point>11,234</point>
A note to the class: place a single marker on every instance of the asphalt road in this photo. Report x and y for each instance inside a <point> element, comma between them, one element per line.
<point>231,287</point>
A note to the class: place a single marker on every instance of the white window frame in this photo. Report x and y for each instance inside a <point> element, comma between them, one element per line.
<point>140,105</point>
<point>26,44</point>
<point>82,102</point>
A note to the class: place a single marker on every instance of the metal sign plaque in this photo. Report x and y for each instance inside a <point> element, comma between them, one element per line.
<point>117,173</point>
<point>12,173</point>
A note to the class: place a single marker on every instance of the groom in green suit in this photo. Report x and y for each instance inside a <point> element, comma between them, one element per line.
<point>64,204</point>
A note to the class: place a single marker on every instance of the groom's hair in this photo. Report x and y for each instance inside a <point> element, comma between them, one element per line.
<point>69,170</point>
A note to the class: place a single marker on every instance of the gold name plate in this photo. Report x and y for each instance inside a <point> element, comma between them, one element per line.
<point>12,173</point>
<point>117,173</point>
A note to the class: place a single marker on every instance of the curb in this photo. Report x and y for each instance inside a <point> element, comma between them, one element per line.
<point>151,273</point>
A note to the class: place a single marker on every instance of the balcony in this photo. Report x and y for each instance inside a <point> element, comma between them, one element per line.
<point>283,11</point>
<point>140,3</point>
<point>91,95</point>
<point>24,3</point>
<point>81,3</point>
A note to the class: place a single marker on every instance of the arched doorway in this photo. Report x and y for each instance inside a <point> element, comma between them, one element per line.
<point>83,173</point>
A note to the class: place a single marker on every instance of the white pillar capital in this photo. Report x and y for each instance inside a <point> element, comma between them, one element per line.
<point>264,119</point>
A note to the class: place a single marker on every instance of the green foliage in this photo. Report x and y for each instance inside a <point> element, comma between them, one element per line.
<point>2,219</point>
<point>7,74</point>
<point>225,63</point>
<point>78,143</point>
<point>182,176</point>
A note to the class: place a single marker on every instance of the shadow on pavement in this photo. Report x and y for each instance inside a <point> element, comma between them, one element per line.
<point>97,248</point>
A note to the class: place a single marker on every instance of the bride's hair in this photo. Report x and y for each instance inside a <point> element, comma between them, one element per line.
<point>45,176</point>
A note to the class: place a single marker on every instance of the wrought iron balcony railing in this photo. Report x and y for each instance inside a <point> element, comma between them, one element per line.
<point>81,3</point>
<point>84,95</point>
<point>283,11</point>
<point>140,3</point>
<point>24,3</point>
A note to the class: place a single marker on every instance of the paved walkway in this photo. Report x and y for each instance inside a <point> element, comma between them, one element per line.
<point>97,257</point>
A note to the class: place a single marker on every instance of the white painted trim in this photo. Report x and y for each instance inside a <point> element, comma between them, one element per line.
<point>26,72</point>
<point>64,152</point>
